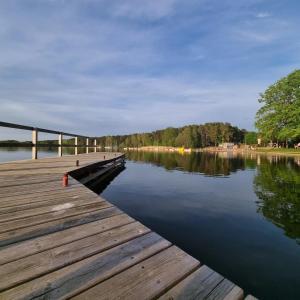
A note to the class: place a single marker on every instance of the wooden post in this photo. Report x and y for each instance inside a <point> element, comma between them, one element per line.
<point>76,145</point>
<point>87,145</point>
<point>95,145</point>
<point>60,142</point>
<point>34,143</point>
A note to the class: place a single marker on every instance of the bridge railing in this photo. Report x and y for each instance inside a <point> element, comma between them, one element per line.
<point>35,133</point>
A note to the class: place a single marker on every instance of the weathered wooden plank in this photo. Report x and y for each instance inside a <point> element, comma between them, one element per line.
<point>89,248</point>
<point>44,200</point>
<point>235,294</point>
<point>67,203</point>
<point>83,157</point>
<point>39,219</point>
<point>44,262</point>
<point>22,234</point>
<point>204,283</point>
<point>54,166</point>
<point>97,174</point>
<point>12,181</point>
<point>40,188</point>
<point>41,196</point>
<point>225,291</point>
<point>197,285</point>
<point>53,240</point>
<point>147,279</point>
<point>79,276</point>
<point>250,297</point>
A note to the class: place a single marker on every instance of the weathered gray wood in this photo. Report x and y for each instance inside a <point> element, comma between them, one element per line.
<point>53,240</point>
<point>54,165</point>
<point>44,262</point>
<point>204,283</point>
<point>21,205</point>
<point>79,276</point>
<point>29,189</point>
<point>39,219</point>
<point>225,290</point>
<point>97,174</point>
<point>147,279</point>
<point>250,297</point>
<point>22,234</point>
<point>9,200</point>
<point>13,181</point>
<point>235,294</point>
<point>62,205</point>
<point>197,285</point>
<point>51,250</point>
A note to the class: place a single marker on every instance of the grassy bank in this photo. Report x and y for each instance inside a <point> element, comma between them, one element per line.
<point>282,151</point>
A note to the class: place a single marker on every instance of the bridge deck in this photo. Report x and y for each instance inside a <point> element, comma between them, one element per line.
<point>67,242</point>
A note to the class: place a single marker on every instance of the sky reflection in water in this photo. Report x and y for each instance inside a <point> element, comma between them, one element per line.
<point>238,214</point>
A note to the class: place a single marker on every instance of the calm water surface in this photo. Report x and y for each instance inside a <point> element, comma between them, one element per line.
<point>21,153</point>
<point>239,215</point>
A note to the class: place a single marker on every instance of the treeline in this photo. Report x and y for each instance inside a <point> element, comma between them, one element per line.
<point>192,136</point>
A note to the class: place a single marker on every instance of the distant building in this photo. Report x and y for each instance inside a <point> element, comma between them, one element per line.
<point>227,146</point>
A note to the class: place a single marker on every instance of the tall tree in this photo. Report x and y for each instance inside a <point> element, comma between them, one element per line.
<point>279,116</point>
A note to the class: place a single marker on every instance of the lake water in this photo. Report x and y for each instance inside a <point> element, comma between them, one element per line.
<point>240,215</point>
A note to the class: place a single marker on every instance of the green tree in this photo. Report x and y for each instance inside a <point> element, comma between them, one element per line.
<point>251,138</point>
<point>168,136</point>
<point>279,116</point>
<point>192,136</point>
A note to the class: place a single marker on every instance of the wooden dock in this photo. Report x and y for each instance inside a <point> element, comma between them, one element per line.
<point>67,242</point>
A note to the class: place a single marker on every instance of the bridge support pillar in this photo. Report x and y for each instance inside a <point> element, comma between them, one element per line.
<point>95,145</point>
<point>60,142</point>
<point>87,145</point>
<point>34,143</point>
<point>76,145</point>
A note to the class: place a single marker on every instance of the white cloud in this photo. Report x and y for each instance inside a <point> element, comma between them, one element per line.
<point>263,15</point>
<point>101,67</point>
<point>148,9</point>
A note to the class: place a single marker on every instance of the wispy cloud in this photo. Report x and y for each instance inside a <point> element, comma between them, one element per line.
<point>148,9</point>
<point>262,15</point>
<point>100,67</point>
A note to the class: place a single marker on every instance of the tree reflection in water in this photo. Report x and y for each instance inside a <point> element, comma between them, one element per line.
<point>210,164</point>
<point>277,186</point>
<point>276,180</point>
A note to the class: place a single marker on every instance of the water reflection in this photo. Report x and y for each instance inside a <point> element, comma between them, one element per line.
<point>210,164</point>
<point>277,186</point>
<point>99,185</point>
<point>17,153</point>
<point>276,181</point>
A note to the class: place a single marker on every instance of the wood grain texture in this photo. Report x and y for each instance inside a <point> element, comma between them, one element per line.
<point>22,234</point>
<point>51,216</point>
<point>50,260</point>
<point>79,276</point>
<point>61,242</point>
<point>62,237</point>
<point>250,297</point>
<point>147,279</point>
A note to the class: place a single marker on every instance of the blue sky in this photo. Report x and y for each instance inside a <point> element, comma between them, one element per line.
<point>121,66</point>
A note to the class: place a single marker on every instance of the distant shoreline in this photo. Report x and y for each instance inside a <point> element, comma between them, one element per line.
<point>263,150</point>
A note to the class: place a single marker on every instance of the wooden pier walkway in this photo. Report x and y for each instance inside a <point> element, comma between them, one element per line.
<point>67,242</point>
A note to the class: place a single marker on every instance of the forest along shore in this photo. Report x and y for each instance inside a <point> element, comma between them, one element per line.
<point>242,150</point>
